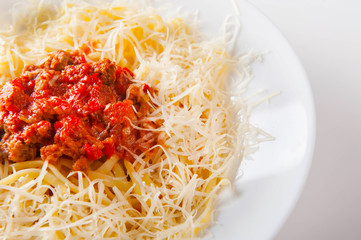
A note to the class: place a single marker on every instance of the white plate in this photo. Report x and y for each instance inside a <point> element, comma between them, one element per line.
<point>272,181</point>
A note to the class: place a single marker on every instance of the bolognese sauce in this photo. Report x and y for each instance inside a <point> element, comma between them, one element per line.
<point>68,107</point>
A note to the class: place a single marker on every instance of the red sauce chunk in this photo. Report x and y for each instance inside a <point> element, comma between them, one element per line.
<point>70,108</point>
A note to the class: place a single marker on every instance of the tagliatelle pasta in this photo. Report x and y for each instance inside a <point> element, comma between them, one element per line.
<point>169,194</point>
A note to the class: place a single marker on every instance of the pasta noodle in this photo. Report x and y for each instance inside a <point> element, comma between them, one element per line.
<point>170,195</point>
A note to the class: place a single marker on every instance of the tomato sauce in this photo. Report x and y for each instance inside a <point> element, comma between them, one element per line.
<point>70,108</point>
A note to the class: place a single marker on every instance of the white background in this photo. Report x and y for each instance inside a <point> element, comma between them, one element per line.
<point>326,36</point>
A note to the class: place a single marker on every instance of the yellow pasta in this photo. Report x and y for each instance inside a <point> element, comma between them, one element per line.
<point>169,194</point>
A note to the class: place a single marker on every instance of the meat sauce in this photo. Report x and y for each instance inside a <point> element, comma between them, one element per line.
<point>70,108</point>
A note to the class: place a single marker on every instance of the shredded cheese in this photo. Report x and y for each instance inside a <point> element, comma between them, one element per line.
<point>170,196</point>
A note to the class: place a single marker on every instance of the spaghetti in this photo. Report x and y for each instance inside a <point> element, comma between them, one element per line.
<point>169,194</point>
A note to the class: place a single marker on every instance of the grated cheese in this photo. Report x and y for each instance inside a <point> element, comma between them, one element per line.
<point>171,196</point>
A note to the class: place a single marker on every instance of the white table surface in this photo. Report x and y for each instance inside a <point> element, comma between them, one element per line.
<point>326,35</point>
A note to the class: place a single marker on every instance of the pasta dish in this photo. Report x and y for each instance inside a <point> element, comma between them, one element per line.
<point>116,123</point>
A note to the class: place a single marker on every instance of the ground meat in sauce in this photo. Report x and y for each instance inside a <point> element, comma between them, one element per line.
<point>67,107</point>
